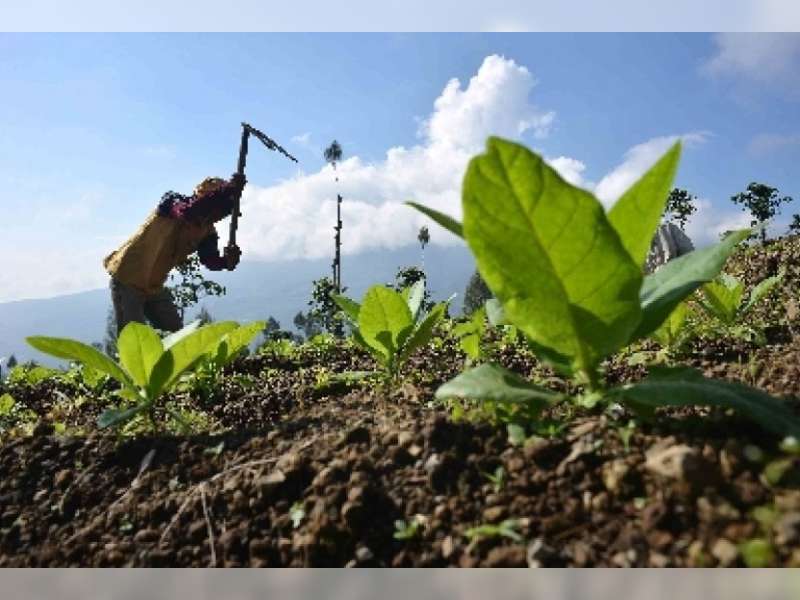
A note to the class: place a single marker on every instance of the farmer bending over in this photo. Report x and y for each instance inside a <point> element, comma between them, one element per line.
<point>179,226</point>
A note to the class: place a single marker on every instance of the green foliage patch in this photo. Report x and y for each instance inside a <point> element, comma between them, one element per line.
<point>569,276</point>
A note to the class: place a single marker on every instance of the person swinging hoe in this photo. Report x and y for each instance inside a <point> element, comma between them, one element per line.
<point>178,227</point>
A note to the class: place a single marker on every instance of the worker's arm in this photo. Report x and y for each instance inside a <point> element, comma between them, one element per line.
<point>194,208</point>
<point>208,253</point>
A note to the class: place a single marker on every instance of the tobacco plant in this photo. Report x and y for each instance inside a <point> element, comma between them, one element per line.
<point>206,375</point>
<point>723,299</point>
<point>569,276</point>
<point>148,366</point>
<point>390,325</point>
<point>470,334</point>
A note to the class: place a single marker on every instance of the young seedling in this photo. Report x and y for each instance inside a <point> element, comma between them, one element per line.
<point>148,367</point>
<point>409,530</point>
<point>297,512</point>
<point>205,376</point>
<point>569,276</point>
<point>390,325</point>
<point>470,333</point>
<point>497,479</point>
<point>507,528</point>
<point>724,301</point>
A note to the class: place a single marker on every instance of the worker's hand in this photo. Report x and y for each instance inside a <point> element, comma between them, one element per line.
<point>238,181</point>
<point>232,255</point>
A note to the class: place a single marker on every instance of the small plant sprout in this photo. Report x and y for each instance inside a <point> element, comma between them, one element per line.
<point>390,325</point>
<point>724,299</point>
<point>470,334</point>
<point>408,530</point>
<point>206,374</point>
<point>625,434</point>
<point>297,512</point>
<point>569,276</point>
<point>148,367</point>
<point>497,479</point>
<point>507,529</point>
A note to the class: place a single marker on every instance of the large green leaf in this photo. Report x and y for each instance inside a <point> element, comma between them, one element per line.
<point>761,290</point>
<point>78,351</point>
<point>349,307</point>
<point>379,355</point>
<point>115,416</point>
<point>416,294</point>
<point>442,219</point>
<point>682,387</point>
<point>637,213</point>
<point>384,310</point>
<point>139,348</point>
<point>177,336</point>
<point>423,332</point>
<point>663,290</point>
<point>495,312</point>
<point>491,382</point>
<point>237,339</point>
<point>184,353</point>
<point>670,330</point>
<point>547,251</point>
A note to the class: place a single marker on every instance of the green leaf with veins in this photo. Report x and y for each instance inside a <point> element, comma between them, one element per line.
<point>548,252</point>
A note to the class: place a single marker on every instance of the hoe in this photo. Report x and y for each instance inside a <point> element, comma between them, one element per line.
<point>247,131</point>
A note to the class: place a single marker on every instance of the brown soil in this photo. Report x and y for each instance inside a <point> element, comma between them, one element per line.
<point>303,476</point>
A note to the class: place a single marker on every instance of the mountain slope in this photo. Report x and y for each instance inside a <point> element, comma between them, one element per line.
<point>254,291</point>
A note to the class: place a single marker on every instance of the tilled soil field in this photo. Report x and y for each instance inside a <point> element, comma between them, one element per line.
<point>303,475</point>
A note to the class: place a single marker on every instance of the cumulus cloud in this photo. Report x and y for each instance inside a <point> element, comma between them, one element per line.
<point>706,225</point>
<point>571,169</point>
<point>766,58</point>
<point>295,217</point>
<point>637,161</point>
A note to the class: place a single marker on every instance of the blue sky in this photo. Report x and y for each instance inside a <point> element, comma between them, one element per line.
<point>97,126</point>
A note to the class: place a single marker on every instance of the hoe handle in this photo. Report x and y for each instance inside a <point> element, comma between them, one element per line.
<point>240,171</point>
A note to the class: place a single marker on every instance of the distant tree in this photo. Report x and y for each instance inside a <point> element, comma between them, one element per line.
<point>205,316</point>
<point>794,226</point>
<point>11,362</point>
<point>476,294</point>
<point>424,238</point>
<point>408,276</point>
<point>190,285</point>
<point>272,331</point>
<point>307,324</point>
<point>680,206</point>
<point>322,308</point>
<point>333,154</point>
<point>762,201</point>
<point>272,326</point>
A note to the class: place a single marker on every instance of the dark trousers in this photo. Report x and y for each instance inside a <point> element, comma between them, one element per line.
<point>132,305</point>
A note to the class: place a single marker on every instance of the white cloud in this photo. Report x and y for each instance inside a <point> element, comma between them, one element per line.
<point>766,58</point>
<point>302,138</point>
<point>637,161</point>
<point>41,272</point>
<point>571,169</point>
<point>295,218</point>
<point>706,225</point>
<point>767,143</point>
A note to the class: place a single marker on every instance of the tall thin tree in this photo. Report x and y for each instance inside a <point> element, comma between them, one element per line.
<point>424,237</point>
<point>333,154</point>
